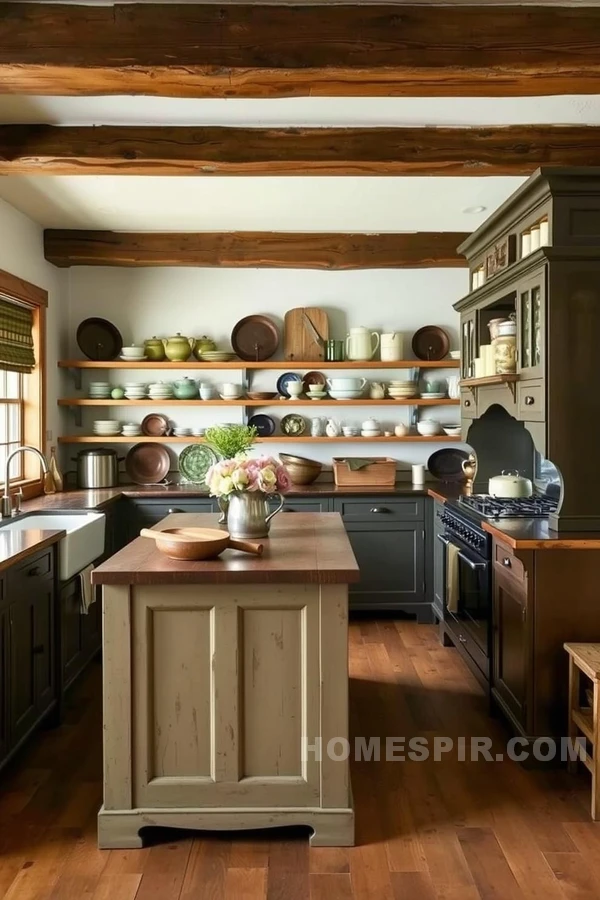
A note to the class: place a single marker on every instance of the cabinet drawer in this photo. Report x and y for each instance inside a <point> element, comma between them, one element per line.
<point>468,403</point>
<point>33,568</point>
<point>508,563</point>
<point>382,509</point>
<point>531,401</point>
<point>306,506</point>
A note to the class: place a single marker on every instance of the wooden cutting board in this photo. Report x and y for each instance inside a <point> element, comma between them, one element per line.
<point>298,343</point>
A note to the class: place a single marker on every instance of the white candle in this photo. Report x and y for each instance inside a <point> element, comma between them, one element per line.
<point>525,243</point>
<point>544,233</point>
<point>418,475</point>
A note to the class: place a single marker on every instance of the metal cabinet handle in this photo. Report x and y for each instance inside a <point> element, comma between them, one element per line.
<point>38,649</point>
<point>529,401</point>
<point>506,562</point>
<point>462,639</point>
<point>33,571</point>
<point>467,402</point>
<point>171,511</point>
<point>379,509</point>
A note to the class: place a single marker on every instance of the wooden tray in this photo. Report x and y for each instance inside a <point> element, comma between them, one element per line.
<point>381,473</point>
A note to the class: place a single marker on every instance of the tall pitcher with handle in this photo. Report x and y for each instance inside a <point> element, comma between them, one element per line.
<point>360,344</point>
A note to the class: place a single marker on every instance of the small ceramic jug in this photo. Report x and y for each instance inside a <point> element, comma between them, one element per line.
<point>332,429</point>
<point>376,391</point>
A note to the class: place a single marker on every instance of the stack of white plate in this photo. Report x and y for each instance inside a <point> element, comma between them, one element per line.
<point>402,390</point>
<point>133,353</point>
<point>131,429</point>
<point>135,391</point>
<point>371,432</point>
<point>179,431</point>
<point>430,395</point>
<point>345,395</point>
<point>99,390</point>
<point>107,428</point>
<point>161,390</point>
<point>217,356</point>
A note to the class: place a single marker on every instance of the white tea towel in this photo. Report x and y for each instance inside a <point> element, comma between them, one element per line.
<point>87,595</point>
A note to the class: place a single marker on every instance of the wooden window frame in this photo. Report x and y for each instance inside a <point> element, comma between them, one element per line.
<point>34,411</point>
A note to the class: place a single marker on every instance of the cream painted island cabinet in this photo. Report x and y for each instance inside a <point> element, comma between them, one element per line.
<point>226,685</point>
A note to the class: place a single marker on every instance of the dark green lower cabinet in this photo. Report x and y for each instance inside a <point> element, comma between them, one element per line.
<point>392,567</point>
<point>81,635</point>
<point>3,683</point>
<point>28,686</point>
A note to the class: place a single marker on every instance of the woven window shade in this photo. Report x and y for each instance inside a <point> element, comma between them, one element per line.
<point>16,338</point>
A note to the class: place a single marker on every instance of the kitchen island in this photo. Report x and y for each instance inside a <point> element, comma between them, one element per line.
<point>221,678</point>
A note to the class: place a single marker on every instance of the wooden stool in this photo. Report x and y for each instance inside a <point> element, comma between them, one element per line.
<point>585,658</point>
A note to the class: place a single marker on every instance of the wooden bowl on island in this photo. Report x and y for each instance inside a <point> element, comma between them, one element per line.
<point>197,543</point>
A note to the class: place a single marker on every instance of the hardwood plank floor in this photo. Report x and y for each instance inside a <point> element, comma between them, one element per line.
<point>430,830</point>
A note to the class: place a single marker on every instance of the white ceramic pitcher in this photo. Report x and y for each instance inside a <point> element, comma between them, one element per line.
<point>359,343</point>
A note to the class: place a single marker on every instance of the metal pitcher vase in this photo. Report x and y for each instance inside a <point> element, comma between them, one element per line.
<point>248,515</point>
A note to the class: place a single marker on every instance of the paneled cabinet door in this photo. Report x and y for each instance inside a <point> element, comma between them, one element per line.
<point>23,710</point>
<point>531,325</point>
<point>227,686</point>
<point>391,562</point>
<point>511,646</point>
<point>3,683</point>
<point>44,646</point>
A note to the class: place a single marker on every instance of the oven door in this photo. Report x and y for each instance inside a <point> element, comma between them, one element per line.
<point>472,606</point>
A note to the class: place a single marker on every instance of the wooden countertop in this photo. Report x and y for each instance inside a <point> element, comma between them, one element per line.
<point>308,548</point>
<point>534,534</point>
<point>17,545</point>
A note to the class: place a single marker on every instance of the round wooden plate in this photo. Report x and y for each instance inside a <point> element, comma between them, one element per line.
<point>430,342</point>
<point>255,338</point>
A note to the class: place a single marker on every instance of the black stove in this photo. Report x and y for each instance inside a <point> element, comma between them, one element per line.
<point>517,508</point>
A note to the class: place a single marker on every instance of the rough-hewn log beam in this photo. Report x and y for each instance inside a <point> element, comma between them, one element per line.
<point>254,249</point>
<point>194,50</point>
<point>130,150</point>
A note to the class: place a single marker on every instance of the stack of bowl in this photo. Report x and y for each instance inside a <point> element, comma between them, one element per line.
<point>160,390</point>
<point>135,391</point>
<point>133,353</point>
<point>99,390</point>
<point>106,428</point>
<point>300,469</point>
<point>403,390</point>
<point>346,388</point>
<point>131,429</point>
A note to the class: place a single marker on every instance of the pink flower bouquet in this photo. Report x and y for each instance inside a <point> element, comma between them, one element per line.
<point>264,474</point>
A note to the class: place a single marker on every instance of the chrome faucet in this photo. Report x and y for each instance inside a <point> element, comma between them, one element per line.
<point>6,502</point>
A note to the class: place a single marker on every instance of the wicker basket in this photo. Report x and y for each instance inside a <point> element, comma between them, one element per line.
<point>380,473</point>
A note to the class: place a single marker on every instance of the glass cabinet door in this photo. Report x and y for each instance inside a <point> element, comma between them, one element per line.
<point>468,351</point>
<point>531,325</point>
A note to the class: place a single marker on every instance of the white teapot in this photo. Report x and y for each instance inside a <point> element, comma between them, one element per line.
<point>359,343</point>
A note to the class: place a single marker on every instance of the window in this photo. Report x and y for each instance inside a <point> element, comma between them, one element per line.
<point>12,408</point>
<point>22,380</point>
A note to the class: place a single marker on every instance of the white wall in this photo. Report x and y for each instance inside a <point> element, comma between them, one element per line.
<point>21,254</point>
<point>146,301</point>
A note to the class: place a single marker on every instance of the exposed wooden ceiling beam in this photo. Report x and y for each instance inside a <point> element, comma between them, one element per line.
<point>254,249</point>
<point>135,150</point>
<point>229,50</point>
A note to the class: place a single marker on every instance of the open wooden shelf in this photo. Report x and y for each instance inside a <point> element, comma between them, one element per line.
<point>488,379</point>
<point>274,439</point>
<point>282,364</point>
<point>425,401</point>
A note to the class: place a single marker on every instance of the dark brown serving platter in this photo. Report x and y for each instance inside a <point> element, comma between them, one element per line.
<point>255,338</point>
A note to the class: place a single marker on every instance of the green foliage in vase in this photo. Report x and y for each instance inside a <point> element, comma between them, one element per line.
<point>230,440</point>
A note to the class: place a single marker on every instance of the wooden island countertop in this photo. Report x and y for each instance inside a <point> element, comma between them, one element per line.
<point>306,548</point>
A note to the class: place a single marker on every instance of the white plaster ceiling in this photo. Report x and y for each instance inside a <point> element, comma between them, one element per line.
<point>309,111</point>
<point>151,203</point>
